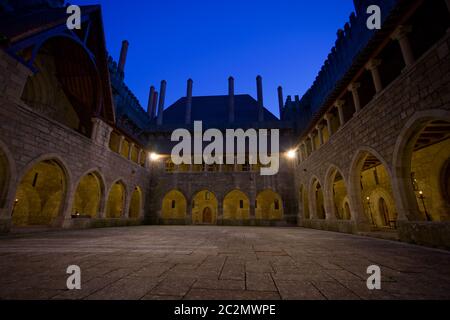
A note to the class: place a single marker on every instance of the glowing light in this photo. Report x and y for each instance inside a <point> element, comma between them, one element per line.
<point>421,192</point>
<point>154,156</point>
<point>291,154</point>
<point>368,198</point>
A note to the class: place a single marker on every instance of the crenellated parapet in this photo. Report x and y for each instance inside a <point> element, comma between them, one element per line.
<point>130,115</point>
<point>351,40</point>
<point>16,5</point>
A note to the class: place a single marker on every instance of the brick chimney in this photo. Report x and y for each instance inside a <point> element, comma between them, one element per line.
<point>162,97</point>
<point>260,98</point>
<point>123,56</point>
<point>189,101</point>
<point>231,114</point>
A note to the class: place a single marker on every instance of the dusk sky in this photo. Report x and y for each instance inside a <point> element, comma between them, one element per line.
<point>285,41</point>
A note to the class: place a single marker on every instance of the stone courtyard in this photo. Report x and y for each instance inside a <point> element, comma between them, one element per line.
<point>208,262</point>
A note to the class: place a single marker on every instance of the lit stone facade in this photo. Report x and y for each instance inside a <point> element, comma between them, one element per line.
<point>371,139</point>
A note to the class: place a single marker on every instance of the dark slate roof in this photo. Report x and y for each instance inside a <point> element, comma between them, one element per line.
<point>213,111</point>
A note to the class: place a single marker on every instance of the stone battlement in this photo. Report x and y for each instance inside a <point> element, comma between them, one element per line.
<point>351,40</point>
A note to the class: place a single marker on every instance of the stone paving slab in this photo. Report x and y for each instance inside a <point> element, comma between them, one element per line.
<point>209,262</point>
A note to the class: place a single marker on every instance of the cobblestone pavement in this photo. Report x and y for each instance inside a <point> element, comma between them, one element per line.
<point>195,262</point>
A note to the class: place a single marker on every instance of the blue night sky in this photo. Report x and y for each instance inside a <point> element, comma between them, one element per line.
<point>285,41</point>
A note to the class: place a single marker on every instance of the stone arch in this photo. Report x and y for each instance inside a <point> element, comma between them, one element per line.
<point>317,200</point>
<point>269,205</point>
<point>89,196</point>
<point>136,202</point>
<point>419,167</point>
<point>117,195</point>
<point>335,193</point>
<point>174,205</point>
<point>236,206</point>
<point>383,215</point>
<point>41,196</point>
<point>204,207</point>
<point>369,171</point>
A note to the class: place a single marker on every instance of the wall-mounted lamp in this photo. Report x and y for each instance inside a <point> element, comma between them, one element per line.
<point>422,198</point>
<point>154,157</point>
<point>291,154</point>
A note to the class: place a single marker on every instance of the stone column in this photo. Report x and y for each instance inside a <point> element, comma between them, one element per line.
<point>372,66</point>
<point>401,35</point>
<point>122,138</point>
<point>339,104</point>
<point>147,160</point>
<point>311,138</point>
<point>130,150</point>
<point>252,209</point>
<point>319,132</point>
<point>353,88</point>
<point>140,156</point>
<point>329,127</point>
<point>305,148</point>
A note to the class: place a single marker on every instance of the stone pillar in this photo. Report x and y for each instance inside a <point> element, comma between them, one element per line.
<point>372,66</point>
<point>311,138</point>
<point>162,97</point>
<point>151,99</point>
<point>140,156</point>
<point>339,104</point>
<point>122,138</point>
<point>305,148</point>
<point>252,209</point>
<point>260,99</point>
<point>280,101</point>
<point>147,160</point>
<point>130,151</point>
<point>353,88</point>
<point>231,113</point>
<point>123,56</point>
<point>329,127</point>
<point>319,132</point>
<point>401,35</point>
<point>189,102</point>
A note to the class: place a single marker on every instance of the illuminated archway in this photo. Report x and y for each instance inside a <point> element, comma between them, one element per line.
<point>318,200</point>
<point>372,181</point>
<point>269,206</point>
<point>426,162</point>
<point>236,206</point>
<point>174,206</point>
<point>40,195</point>
<point>337,191</point>
<point>135,204</point>
<point>116,201</point>
<point>204,208</point>
<point>88,196</point>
